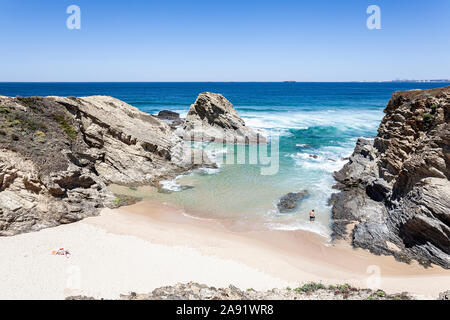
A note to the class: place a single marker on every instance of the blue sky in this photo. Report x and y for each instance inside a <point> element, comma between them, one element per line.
<point>224,40</point>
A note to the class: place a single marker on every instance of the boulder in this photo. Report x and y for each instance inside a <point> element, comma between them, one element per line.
<point>213,118</point>
<point>290,201</point>
<point>168,115</point>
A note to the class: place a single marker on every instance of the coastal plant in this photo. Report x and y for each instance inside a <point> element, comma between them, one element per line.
<point>65,125</point>
<point>427,117</point>
<point>310,287</point>
<point>4,110</point>
<point>117,200</point>
<point>29,101</point>
<point>381,293</point>
<point>344,288</point>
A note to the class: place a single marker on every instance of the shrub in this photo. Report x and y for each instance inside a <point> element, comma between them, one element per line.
<point>4,110</point>
<point>427,117</point>
<point>381,293</point>
<point>309,287</point>
<point>344,288</point>
<point>65,125</point>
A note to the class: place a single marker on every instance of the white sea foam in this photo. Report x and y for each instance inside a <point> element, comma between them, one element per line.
<point>319,161</point>
<point>345,120</point>
<point>172,185</point>
<point>315,227</point>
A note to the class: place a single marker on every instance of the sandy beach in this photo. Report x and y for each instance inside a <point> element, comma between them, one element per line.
<point>152,244</point>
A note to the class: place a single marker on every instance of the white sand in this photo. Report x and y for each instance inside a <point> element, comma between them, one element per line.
<point>149,245</point>
<point>106,265</point>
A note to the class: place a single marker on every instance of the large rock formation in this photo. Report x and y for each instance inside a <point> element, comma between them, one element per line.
<point>57,155</point>
<point>213,118</point>
<point>395,189</point>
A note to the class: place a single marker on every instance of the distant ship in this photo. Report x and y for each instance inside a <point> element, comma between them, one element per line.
<point>290,81</point>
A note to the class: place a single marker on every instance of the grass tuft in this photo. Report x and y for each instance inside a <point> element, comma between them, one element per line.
<point>65,125</point>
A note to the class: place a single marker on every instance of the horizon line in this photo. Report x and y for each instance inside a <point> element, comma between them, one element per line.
<point>247,81</point>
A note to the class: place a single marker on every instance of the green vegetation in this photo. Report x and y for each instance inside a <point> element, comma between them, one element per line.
<point>118,200</point>
<point>250,289</point>
<point>65,125</point>
<point>427,117</point>
<point>29,101</point>
<point>310,287</point>
<point>370,298</point>
<point>18,120</point>
<point>344,288</point>
<point>381,293</point>
<point>4,110</point>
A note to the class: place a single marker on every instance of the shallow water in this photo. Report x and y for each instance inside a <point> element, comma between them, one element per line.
<point>317,125</point>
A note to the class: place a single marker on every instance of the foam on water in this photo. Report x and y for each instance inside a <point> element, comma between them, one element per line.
<point>322,119</point>
<point>170,185</point>
<point>313,144</point>
<point>344,120</point>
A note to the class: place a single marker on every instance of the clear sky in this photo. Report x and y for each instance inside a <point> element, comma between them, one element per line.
<point>228,40</point>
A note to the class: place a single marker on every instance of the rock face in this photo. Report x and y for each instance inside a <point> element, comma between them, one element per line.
<point>213,118</point>
<point>290,201</point>
<point>395,189</point>
<point>58,154</point>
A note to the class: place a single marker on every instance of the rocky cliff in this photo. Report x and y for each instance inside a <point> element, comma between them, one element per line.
<point>395,191</point>
<point>58,154</point>
<point>213,118</point>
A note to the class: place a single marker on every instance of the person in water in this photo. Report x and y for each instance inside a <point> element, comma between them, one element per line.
<point>312,215</point>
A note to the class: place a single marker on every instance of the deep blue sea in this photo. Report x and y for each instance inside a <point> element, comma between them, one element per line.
<point>317,125</point>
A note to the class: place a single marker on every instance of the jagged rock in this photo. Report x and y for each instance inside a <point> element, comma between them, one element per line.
<point>395,190</point>
<point>213,118</point>
<point>168,115</point>
<point>290,201</point>
<point>307,291</point>
<point>58,154</point>
<point>444,295</point>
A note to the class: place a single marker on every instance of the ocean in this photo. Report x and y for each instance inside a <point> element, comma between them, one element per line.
<point>316,124</point>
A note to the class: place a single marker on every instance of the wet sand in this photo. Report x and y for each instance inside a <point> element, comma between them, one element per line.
<point>151,244</point>
<point>294,256</point>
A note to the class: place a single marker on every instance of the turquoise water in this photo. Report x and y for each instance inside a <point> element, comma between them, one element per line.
<point>317,125</point>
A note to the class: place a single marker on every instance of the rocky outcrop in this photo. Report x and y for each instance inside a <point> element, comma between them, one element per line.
<point>290,201</point>
<point>395,191</point>
<point>58,154</point>
<point>308,291</point>
<point>213,118</point>
<point>168,115</point>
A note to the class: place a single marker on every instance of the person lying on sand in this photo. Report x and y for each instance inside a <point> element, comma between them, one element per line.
<point>312,215</point>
